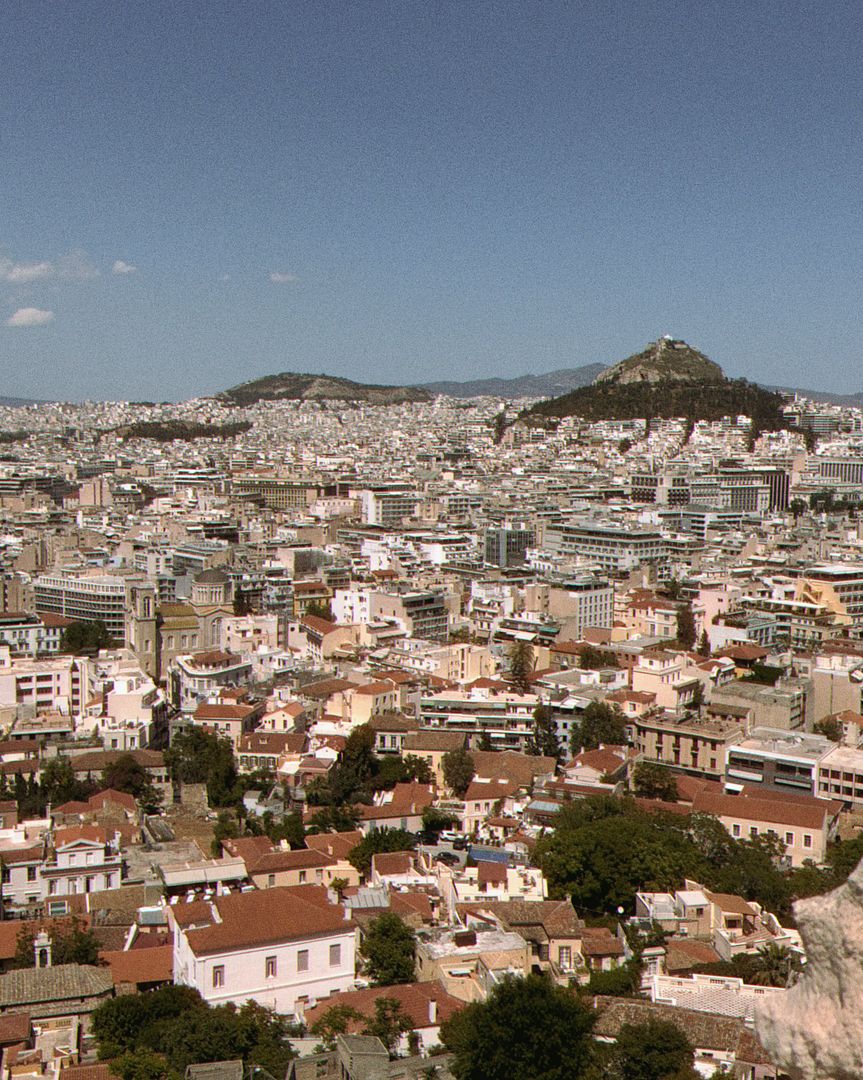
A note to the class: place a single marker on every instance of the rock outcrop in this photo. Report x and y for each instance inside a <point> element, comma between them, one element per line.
<point>815,1031</point>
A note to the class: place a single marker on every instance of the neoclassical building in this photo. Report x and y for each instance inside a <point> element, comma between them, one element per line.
<point>157,633</point>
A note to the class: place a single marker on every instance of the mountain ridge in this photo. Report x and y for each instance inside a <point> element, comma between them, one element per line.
<point>297,386</point>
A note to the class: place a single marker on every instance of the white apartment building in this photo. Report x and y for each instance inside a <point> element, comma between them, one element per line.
<point>85,599</point>
<point>285,948</point>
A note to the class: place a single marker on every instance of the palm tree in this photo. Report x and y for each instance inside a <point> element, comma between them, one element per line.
<point>775,965</point>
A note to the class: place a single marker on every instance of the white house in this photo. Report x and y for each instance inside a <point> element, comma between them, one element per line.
<point>285,948</point>
<point>84,861</point>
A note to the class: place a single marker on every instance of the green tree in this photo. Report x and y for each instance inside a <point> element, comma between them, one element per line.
<point>458,771</point>
<point>389,951</point>
<point>320,609</point>
<point>126,1023</point>
<point>704,644</point>
<point>435,820</point>
<point>340,817</point>
<point>337,1020</point>
<point>142,1065</point>
<point>543,741</point>
<point>652,781</point>
<point>198,757</point>
<point>593,659</point>
<point>528,1029</point>
<point>70,944</point>
<point>654,1050</point>
<point>378,841</point>
<point>685,626</point>
<point>829,727</point>
<point>389,1023</point>
<point>776,965</point>
<point>126,774</point>
<point>85,638</point>
<point>600,724</point>
<point>521,664</point>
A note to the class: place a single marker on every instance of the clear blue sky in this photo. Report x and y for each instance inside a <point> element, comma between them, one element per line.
<point>441,189</point>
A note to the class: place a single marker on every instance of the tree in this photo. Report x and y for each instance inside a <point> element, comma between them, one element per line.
<point>652,781</point>
<point>593,659</point>
<point>126,774</point>
<point>85,638</point>
<point>776,965</point>
<point>389,951</point>
<point>458,771</point>
<point>72,944</point>
<point>521,664</point>
<point>389,1023</point>
<point>686,626</point>
<point>435,820</point>
<point>654,1050</point>
<point>704,644</point>
<point>543,741</point>
<point>600,724</point>
<point>198,757</point>
<point>320,609</point>
<point>377,841</point>
<point>337,1020</point>
<point>342,817</point>
<point>830,728</point>
<point>528,1029</point>
<point>142,1065</point>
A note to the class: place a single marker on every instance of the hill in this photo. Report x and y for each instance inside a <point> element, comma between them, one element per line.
<point>666,380</point>
<point>665,360</point>
<point>547,384</point>
<point>291,386</point>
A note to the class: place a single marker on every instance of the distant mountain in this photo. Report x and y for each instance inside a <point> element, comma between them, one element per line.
<point>851,401</point>
<point>666,379</point>
<point>549,384</point>
<point>291,386</point>
<point>19,402</point>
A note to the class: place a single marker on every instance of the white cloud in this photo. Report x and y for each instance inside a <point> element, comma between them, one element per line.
<point>121,267</point>
<point>30,316</point>
<point>224,277</point>
<point>24,273</point>
<point>72,267</point>
<point>283,279</point>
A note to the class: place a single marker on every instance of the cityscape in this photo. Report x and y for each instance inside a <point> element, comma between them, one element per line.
<point>431,541</point>
<point>421,703</point>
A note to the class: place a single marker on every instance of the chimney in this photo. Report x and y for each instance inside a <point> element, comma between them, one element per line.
<point>432,1011</point>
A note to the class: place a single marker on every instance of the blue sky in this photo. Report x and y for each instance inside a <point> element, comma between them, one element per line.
<point>192,195</point>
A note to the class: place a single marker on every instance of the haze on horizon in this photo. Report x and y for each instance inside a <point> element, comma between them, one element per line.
<point>193,196</point>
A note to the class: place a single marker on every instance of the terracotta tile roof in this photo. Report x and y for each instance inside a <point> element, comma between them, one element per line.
<point>512,765</point>
<point>87,1072</point>
<point>30,986</point>
<point>248,848</point>
<point>98,760</point>
<point>682,954</point>
<point>93,834</point>
<point>599,941</point>
<point>14,1027</point>
<point>274,862</point>
<point>318,625</point>
<point>775,811</point>
<point>219,711</point>
<point>414,999</point>
<point>743,652</point>
<point>273,742</point>
<point>141,965</point>
<point>325,688</point>
<point>409,903</point>
<point>491,873</point>
<point>434,741</point>
<point>393,862</point>
<point>707,1031</point>
<point>339,845</point>
<point>13,857</point>
<point>268,916</point>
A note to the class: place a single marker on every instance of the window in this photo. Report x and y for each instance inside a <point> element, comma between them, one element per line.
<point>31,873</point>
<point>218,976</point>
<point>271,880</point>
<point>302,877</point>
<point>565,957</point>
<point>735,830</point>
<point>753,830</point>
<point>807,840</point>
<point>335,955</point>
<point>270,967</point>
<point>303,960</point>
<point>52,887</point>
<point>789,838</point>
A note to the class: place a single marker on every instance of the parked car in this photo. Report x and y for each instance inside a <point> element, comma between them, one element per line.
<point>448,858</point>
